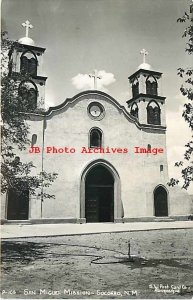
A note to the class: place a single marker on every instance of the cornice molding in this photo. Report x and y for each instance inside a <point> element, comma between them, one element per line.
<point>149,72</point>
<point>145,96</point>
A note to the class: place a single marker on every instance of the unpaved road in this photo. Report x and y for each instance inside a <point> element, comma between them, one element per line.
<point>96,266</point>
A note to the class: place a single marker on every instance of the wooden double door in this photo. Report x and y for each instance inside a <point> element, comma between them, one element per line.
<point>99,195</point>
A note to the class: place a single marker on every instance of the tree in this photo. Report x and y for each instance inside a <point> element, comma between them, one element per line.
<point>187,91</point>
<point>17,175</point>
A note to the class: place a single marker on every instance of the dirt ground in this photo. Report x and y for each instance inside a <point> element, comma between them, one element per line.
<point>97,266</point>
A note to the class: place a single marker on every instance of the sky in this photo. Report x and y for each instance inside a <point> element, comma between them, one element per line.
<point>107,35</point>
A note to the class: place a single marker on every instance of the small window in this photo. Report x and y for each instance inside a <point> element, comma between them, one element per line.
<point>161,168</point>
<point>134,110</point>
<point>135,87</point>
<point>28,63</point>
<point>95,138</point>
<point>33,140</point>
<point>153,113</point>
<point>149,147</point>
<point>28,94</point>
<point>151,86</point>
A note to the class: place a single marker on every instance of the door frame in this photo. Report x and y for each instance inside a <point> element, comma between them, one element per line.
<point>118,207</point>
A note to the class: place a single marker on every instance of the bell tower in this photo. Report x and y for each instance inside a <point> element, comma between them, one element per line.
<point>27,58</point>
<point>147,105</point>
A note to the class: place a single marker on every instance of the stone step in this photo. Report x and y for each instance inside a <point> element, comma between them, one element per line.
<point>164,219</point>
<point>18,222</point>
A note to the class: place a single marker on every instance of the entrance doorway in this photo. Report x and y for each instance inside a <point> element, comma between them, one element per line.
<point>99,195</point>
<point>18,205</point>
<point>161,202</point>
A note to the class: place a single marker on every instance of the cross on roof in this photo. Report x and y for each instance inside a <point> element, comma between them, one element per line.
<point>95,76</point>
<point>144,52</point>
<point>27,25</point>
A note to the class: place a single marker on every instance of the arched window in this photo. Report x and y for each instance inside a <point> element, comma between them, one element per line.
<point>95,138</point>
<point>153,113</point>
<point>135,87</point>
<point>33,140</point>
<point>148,149</point>
<point>160,202</point>
<point>134,110</point>
<point>28,63</point>
<point>28,95</point>
<point>151,86</point>
<point>10,63</point>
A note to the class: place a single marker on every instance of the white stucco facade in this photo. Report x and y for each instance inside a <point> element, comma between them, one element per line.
<point>137,180</point>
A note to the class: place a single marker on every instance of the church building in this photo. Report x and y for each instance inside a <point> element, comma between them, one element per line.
<point>111,159</point>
